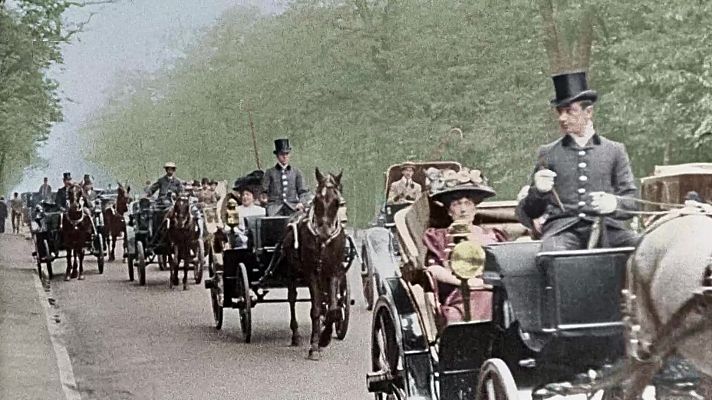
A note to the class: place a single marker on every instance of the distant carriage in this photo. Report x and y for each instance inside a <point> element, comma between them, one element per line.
<point>147,240</point>
<point>46,235</point>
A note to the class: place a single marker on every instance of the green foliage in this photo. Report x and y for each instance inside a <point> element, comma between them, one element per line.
<point>362,84</point>
<point>30,35</point>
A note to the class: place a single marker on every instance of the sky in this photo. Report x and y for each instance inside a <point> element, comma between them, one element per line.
<point>128,38</point>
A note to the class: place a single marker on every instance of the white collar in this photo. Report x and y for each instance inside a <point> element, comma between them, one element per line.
<point>588,134</point>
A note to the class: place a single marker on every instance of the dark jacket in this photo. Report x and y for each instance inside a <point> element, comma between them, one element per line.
<point>3,209</point>
<point>61,197</point>
<point>284,187</point>
<point>600,166</point>
<point>165,185</point>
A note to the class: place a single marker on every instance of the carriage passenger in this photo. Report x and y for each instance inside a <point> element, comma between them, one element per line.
<point>460,193</point>
<point>405,190</point>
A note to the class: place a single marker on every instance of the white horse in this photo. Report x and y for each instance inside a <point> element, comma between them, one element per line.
<point>668,267</point>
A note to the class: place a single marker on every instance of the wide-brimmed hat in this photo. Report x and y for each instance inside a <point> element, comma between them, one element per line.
<point>447,183</point>
<point>169,164</point>
<point>407,164</point>
<point>282,146</point>
<point>571,87</point>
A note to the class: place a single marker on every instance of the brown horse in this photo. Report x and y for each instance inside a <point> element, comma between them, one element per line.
<point>313,249</point>
<point>667,273</point>
<point>76,229</point>
<point>183,234</point>
<point>114,220</point>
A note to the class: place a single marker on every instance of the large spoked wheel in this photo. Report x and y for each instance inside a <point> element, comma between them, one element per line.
<point>199,262</point>
<point>367,281</point>
<point>211,262</point>
<point>141,263</point>
<point>245,306</point>
<point>385,353</point>
<point>495,382</point>
<point>48,258</point>
<point>100,252</point>
<point>217,300</point>
<point>343,300</point>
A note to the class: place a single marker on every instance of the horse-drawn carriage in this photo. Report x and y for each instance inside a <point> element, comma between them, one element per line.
<point>147,238</point>
<point>46,225</point>
<point>248,273</point>
<point>385,216</point>
<point>554,316</point>
<point>567,322</point>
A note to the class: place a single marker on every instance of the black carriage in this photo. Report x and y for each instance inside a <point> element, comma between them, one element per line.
<point>46,235</point>
<point>248,274</point>
<point>385,218</point>
<point>555,317</point>
<point>147,241</point>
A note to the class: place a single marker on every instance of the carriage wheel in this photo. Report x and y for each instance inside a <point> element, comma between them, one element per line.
<point>141,263</point>
<point>38,256</point>
<point>343,300</point>
<point>385,352</point>
<point>100,253</point>
<point>131,267</point>
<point>367,282</point>
<point>48,258</point>
<point>211,262</point>
<point>216,302</point>
<point>243,289</point>
<point>495,382</point>
<point>199,262</point>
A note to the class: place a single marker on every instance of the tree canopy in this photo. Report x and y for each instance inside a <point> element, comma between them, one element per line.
<point>359,85</point>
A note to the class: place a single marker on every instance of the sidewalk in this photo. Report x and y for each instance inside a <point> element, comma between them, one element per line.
<point>28,365</point>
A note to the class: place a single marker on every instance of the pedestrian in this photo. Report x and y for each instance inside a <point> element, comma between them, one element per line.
<point>3,214</point>
<point>283,186</point>
<point>592,174</point>
<point>45,190</point>
<point>16,209</point>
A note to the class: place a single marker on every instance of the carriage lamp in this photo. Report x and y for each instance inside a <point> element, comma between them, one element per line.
<point>233,216</point>
<point>467,261</point>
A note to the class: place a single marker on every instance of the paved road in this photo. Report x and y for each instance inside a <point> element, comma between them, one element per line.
<point>132,342</point>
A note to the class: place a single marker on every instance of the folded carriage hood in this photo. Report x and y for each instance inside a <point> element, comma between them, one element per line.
<point>379,252</point>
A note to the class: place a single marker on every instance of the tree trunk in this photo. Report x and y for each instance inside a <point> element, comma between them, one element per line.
<point>572,52</point>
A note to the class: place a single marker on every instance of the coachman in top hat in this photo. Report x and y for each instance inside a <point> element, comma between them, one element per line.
<point>580,177</point>
<point>284,185</point>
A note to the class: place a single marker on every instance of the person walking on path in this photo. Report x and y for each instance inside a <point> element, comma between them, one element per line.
<point>16,207</point>
<point>3,214</point>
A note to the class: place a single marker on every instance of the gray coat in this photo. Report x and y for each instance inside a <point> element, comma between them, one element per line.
<point>284,188</point>
<point>600,166</point>
<point>165,185</point>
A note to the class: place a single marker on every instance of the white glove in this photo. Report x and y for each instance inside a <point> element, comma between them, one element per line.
<point>523,193</point>
<point>604,203</point>
<point>544,180</point>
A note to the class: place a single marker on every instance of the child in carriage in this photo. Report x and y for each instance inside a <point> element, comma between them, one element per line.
<point>459,193</point>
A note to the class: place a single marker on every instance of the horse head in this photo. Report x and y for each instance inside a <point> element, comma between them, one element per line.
<point>181,212</point>
<point>326,204</point>
<point>122,198</point>
<point>76,198</point>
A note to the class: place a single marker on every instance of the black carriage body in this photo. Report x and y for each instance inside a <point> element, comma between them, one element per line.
<point>261,257</point>
<point>555,315</point>
<point>146,219</point>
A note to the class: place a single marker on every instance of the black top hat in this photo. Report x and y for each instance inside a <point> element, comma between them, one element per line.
<point>66,176</point>
<point>282,146</point>
<point>571,87</point>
